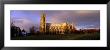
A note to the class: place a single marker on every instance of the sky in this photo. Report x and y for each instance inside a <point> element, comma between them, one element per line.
<point>80,18</point>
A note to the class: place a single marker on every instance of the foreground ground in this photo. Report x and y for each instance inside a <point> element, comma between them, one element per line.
<point>86,36</point>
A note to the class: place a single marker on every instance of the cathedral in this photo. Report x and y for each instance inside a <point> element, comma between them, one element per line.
<point>55,28</point>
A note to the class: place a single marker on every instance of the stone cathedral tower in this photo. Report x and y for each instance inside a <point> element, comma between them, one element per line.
<point>43,23</point>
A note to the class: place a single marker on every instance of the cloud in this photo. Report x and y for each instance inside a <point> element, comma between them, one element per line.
<point>23,23</point>
<point>61,16</point>
<point>77,17</point>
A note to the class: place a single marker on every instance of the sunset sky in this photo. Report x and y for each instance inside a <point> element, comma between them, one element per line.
<point>80,18</point>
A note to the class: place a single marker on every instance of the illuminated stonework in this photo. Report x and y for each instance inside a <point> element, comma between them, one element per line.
<point>43,23</point>
<point>55,28</point>
<point>62,28</point>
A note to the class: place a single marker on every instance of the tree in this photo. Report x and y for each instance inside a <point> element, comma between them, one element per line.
<point>32,30</point>
<point>15,31</point>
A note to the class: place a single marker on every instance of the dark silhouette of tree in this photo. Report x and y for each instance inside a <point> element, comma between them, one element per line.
<point>32,30</point>
<point>15,31</point>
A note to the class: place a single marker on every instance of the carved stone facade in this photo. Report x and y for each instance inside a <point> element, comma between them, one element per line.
<point>62,28</point>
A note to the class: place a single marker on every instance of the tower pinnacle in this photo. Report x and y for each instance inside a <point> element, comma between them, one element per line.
<point>43,23</point>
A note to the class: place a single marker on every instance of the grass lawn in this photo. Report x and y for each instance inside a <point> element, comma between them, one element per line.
<point>86,36</point>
